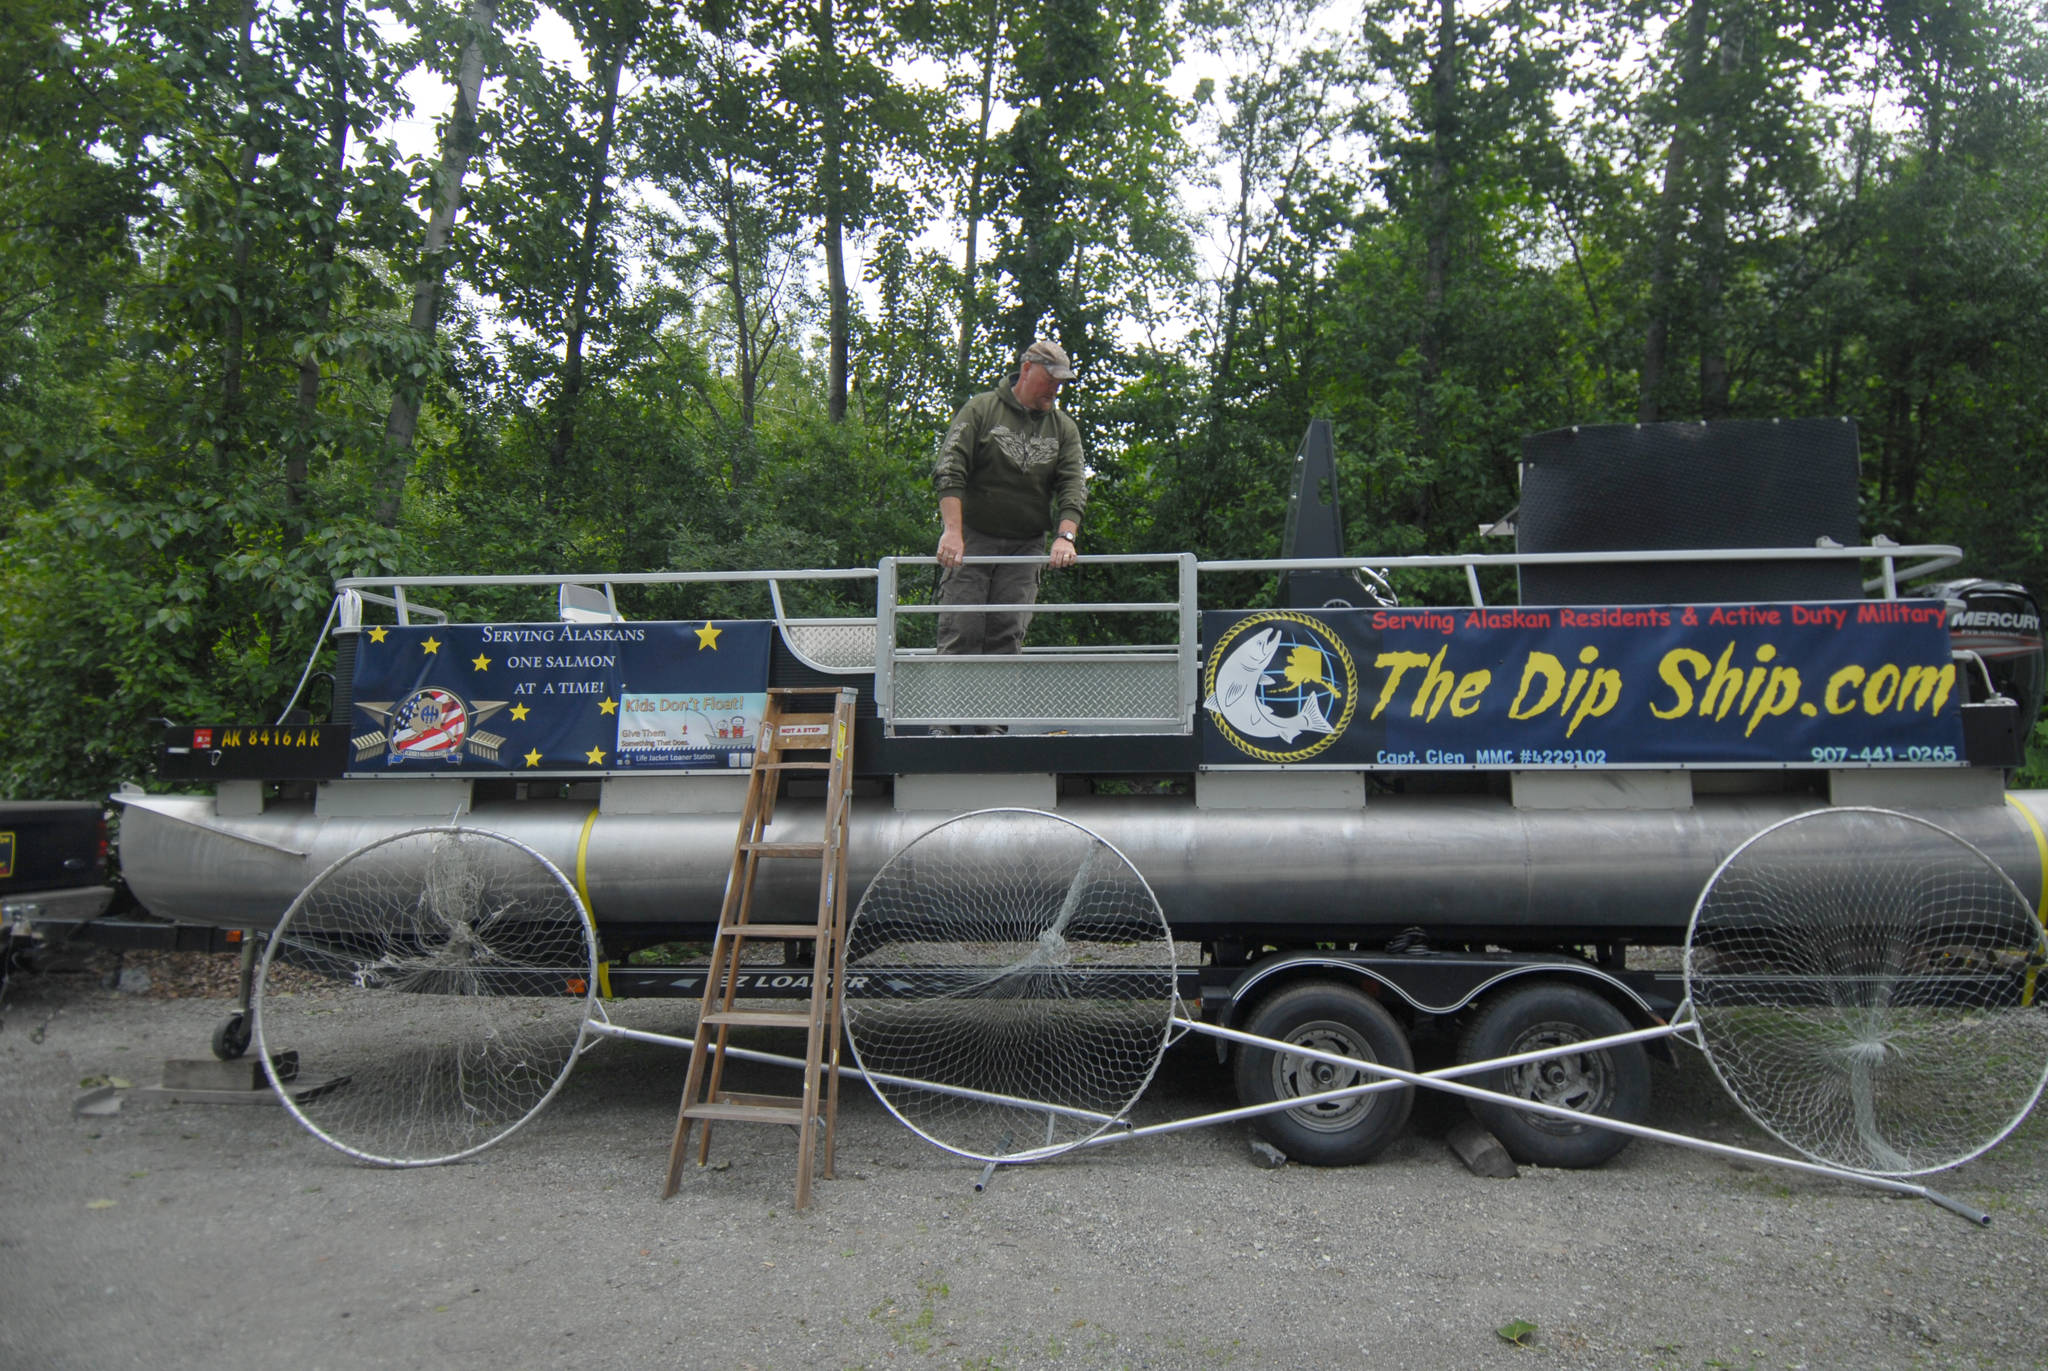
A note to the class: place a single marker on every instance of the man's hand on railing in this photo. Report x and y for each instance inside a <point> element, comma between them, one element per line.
<point>1064,551</point>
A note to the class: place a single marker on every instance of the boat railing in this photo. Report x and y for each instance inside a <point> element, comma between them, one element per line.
<point>350,599</point>
<point>1932,557</point>
<point>1127,686</point>
<point>1123,687</point>
<point>1153,687</point>
<point>575,591</point>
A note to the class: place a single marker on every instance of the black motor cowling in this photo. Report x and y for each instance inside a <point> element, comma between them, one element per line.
<point>2001,623</point>
<point>1315,528</point>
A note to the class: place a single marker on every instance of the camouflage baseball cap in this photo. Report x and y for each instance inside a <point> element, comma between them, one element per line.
<point>1052,357</point>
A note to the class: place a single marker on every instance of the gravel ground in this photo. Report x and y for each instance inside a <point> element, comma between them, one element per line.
<point>221,1236</point>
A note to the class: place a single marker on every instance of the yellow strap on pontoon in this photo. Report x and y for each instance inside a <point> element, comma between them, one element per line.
<point>2040,847</point>
<point>2040,904</point>
<point>604,969</point>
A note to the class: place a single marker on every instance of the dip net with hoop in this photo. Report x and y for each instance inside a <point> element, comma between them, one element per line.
<point>1010,985</point>
<point>1864,985</point>
<point>460,969</point>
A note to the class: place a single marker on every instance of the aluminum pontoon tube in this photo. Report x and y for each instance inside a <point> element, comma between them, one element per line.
<point>1461,866</point>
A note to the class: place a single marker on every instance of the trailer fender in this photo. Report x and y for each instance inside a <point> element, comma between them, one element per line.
<point>1427,985</point>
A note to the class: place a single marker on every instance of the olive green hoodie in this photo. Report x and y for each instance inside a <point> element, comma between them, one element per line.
<point>1016,471</point>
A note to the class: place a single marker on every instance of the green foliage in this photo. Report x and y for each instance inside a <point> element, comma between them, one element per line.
<point>1086,213</point>
<point>184,435</point>
<point>2034,774</point>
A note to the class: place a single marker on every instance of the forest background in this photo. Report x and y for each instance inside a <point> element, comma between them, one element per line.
<point>702,290</point>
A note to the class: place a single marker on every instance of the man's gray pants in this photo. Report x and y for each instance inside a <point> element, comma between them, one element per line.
<point>1007,583</point>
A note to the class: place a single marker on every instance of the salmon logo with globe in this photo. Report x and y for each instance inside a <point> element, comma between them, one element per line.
<point>1280,686</point>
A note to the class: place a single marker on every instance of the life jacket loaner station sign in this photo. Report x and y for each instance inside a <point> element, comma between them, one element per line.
<point>555,698</point>
<point>1822,684</point>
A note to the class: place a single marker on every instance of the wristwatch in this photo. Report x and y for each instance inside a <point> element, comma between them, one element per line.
<point>1066,535</point>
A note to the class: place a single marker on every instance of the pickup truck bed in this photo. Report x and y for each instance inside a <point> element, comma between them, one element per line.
<point>53,861</point>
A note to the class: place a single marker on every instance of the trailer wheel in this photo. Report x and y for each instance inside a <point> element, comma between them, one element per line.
<point>1613,1081</point>
<point>1330,1018</point>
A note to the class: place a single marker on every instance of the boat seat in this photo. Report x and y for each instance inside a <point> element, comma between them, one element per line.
<point>832,645</point>
<point>589,605</point>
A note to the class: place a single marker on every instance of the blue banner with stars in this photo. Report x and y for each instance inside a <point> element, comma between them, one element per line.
<point>548,699</point>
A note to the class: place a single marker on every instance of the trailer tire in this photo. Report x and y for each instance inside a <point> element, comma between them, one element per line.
<point>1331,1018</point>
<point>1613,1081</point>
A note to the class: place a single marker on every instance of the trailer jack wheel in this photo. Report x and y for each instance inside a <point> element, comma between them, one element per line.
<point>1329,1018</point>
<point>1614,1082</point>
<point>231,1039</point>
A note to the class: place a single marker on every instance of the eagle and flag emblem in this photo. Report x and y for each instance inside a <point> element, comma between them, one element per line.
<point>433,724</point>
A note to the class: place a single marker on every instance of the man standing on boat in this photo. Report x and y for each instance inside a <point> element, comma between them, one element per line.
<point>1009,469</point>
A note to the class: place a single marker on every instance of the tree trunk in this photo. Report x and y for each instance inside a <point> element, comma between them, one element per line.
<point>1443,83</point>
<point>586,252</point>
<point>742,331</point>
<point>298,461</point>
<point>1664,243</point>
<point>836,319</point>
<point>833,204</point>
<point>974,206</point>
<point>1233,299</point>
<point>1831,369</point>
<point>1714,156</point>
<point>233,333</point>
<point>456,148</point>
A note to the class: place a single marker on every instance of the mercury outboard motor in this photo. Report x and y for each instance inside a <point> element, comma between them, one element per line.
<point>2001,623</point>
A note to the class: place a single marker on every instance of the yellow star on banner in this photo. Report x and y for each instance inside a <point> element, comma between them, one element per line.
<point>519,713</point>
<point>607,705</point>
<point>707,636</point>
<point>533,757</point>
<point>431,646</point>
<point>377,633</point>
<point>480,662</point>
<point>595,756</point>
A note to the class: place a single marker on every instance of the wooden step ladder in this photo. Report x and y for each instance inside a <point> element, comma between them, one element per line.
<point>782,733</point>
